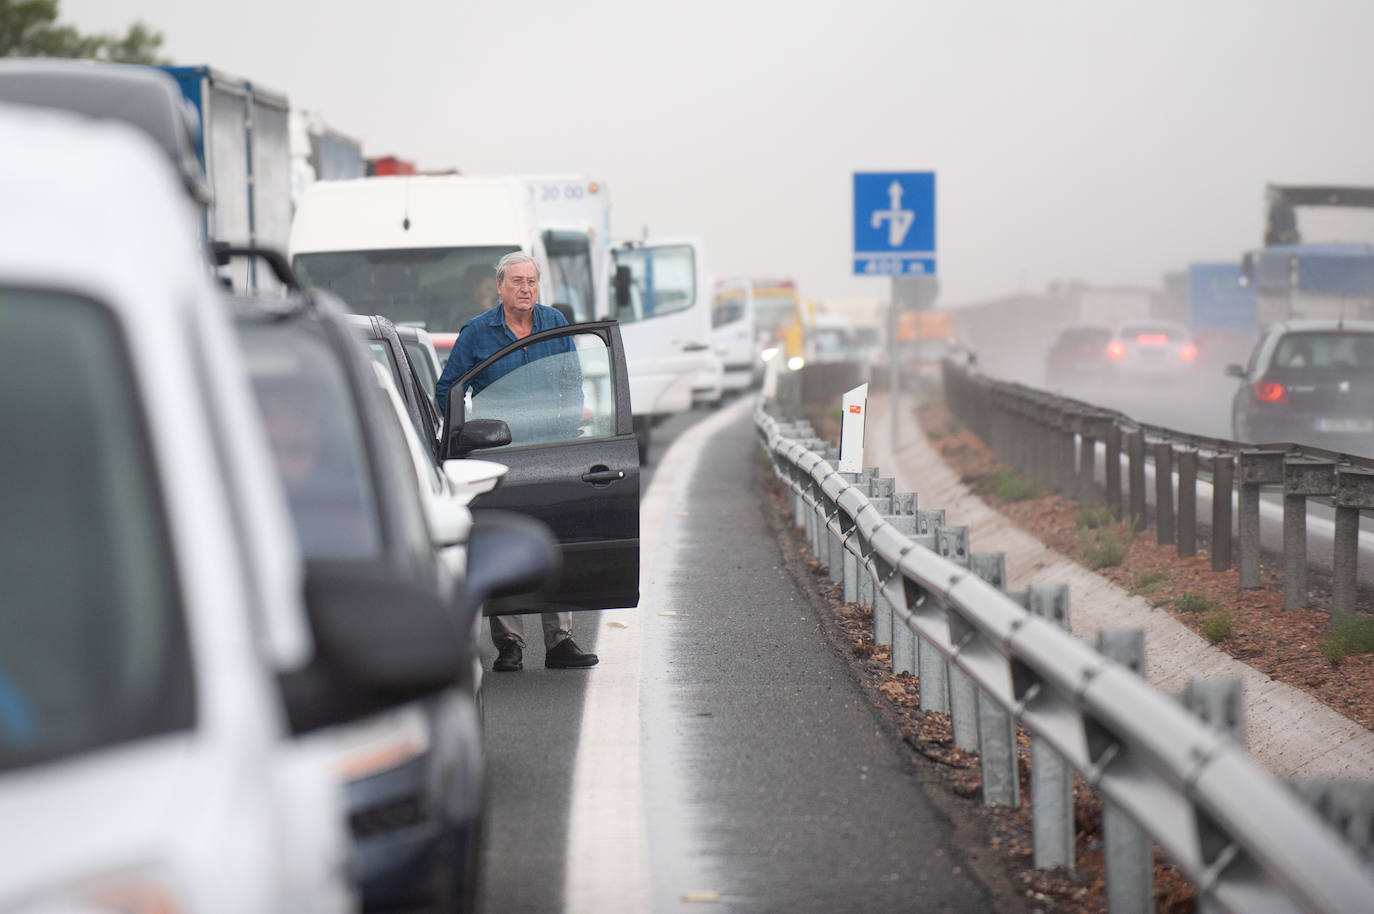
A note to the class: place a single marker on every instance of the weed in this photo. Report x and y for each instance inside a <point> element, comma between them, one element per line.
<point>953,425</point>
<point>1106,547</point>
<point>1095,518</point>
<point>1150,581</point>
<point>1216,625</point>
<point>1349,633</point>
<point>1193,603</point>
<point>1009,485</point>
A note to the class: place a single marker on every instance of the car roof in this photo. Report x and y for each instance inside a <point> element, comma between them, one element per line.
<point>1313,324</point>
<point>91,206</point>
<point>144,97</point>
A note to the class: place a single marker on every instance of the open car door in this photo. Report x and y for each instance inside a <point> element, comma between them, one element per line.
<point>572,457</point>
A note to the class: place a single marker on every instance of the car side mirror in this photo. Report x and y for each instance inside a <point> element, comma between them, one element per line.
<point>1247,269</point>
<point>507,554</point>
<point>380,641</point>
<point>476,434</point>
<point>1235,371</point>
<point>566,310</point>
<point>623,278</point>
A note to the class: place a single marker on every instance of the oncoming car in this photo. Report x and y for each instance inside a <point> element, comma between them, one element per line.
<point>1309,382</point>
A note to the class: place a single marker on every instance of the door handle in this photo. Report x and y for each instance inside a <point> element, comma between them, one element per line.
<point>695,347</point>
<point>602,475</point>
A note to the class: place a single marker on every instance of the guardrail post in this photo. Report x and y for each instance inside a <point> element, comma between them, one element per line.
<point>1256,469</point>
<point>1052,823</point>
<point>1187,502</point>
<point>1223,472</point>
<point>965,700</point>
<point>1089,430</point>
<point>1064,461</point>
<point>1113,440</point>
<point>1301,477</point>
<point>1135,448</point>
<point>1347,806</point>
<point>1129,853</point>
<point>1354,491</point>
<point>1220,703</point>
<point>1164,492</point>
<point>843,561</point>
<point>903,638</point>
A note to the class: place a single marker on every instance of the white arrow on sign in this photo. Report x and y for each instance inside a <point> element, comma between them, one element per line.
<point>898,220</point>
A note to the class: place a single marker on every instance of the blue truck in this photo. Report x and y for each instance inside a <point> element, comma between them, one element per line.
<point>1294,275</point>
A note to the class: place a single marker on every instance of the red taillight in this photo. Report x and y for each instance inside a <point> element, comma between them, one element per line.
<point>1152,339</point>
<point>1187,352</point>
<point>1270,392</point>
<point>1116,349</point>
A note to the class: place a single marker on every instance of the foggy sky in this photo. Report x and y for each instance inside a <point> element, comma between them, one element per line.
<point>1111,142</point>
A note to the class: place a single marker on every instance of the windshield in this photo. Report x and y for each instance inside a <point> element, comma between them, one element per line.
<point>727,309</point>
<point>316,439</point>
<point>663,280</point>
<point>430,288</point>
<point>93,646</point>
<point>775,311</point>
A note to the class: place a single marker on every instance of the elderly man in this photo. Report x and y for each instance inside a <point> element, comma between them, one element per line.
<point>518,315</point>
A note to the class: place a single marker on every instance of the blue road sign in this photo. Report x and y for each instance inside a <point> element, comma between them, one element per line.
<point>894,223</point>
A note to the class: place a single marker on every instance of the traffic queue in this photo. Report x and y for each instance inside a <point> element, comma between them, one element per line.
<point>245,556</point>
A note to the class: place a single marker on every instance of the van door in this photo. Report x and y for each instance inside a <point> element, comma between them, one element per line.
<point>573,460</point>
<point>663,309</point>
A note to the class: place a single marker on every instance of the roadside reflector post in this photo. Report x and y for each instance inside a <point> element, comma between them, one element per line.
<point>1354,492</point>
<point>1223,480</point>
<point>1135,448</point>
<point>1301,478</point>
<point>1256,469</point>
<point>1128,851</point>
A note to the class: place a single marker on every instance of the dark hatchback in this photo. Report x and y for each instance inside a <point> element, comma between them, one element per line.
<point>1078,353</point>
<point>1309,382</point>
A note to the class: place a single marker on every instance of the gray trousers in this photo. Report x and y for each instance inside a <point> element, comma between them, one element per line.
<point>557,627</point>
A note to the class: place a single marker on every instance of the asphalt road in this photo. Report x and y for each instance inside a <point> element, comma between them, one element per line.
<point>725,759</point>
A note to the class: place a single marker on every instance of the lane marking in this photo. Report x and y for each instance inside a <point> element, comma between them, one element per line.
<point>606,863</point>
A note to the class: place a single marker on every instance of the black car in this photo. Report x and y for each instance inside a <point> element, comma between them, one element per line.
<point>1309,382</point>
<point>1078,353</point>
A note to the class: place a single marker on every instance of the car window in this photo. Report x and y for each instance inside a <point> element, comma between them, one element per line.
<point>662,281</point>
<point>1335,350</point>
<point>316,439</point>
<point>93,647</point>
<point>1085,335</point>
<point>564,395</point>
<point>1164,332</point>
<point>727,308</point>
<point>422,365</point>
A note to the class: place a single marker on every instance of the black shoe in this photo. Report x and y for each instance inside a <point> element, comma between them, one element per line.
<point>508,659</point>
<point>566,654</point>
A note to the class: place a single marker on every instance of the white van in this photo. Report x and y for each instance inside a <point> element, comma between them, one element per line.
<point>157,643</point>
<point>418,249</point>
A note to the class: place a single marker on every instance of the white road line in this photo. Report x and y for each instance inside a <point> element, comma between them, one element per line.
<point>606,865</point>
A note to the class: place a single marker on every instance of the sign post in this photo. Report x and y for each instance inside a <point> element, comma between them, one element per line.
<point>894,235</point>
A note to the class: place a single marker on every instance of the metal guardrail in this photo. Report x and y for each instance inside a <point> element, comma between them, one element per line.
<point>1245,840</point>
<point>1054,440</point>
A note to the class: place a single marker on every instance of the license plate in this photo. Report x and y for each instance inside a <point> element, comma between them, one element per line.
<point>1347,426</point>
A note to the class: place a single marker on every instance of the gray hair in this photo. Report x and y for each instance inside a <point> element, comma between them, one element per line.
<point>510,260</point>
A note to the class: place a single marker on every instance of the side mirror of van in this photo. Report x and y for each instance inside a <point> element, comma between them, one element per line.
<point>380,641</point>
<point>566,310</point>
<point>1247,269</point>
<point>623,278</point>
<point>1235,371</point>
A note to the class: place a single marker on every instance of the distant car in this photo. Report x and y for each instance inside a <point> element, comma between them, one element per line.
<point>1310,382</point>
<point>408,357</point>
<point>1077,353</point>
<point>1161,351</point>
<point>443,345</point>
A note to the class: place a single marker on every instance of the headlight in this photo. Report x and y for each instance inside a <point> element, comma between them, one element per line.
<point>769,353</point>
<point>795,363</point>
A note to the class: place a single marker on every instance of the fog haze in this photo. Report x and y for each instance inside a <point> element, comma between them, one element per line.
<point>1105,142</point>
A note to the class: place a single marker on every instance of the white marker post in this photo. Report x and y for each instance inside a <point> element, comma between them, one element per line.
<point>855,405</point>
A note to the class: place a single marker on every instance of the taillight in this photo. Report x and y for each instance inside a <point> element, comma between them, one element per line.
<point>1116,349</point>
<point>1270,392</point>
<point>1187,352</point>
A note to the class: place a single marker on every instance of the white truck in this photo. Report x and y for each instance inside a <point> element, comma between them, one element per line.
<point>664,304</point>
<point>158,616</point>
